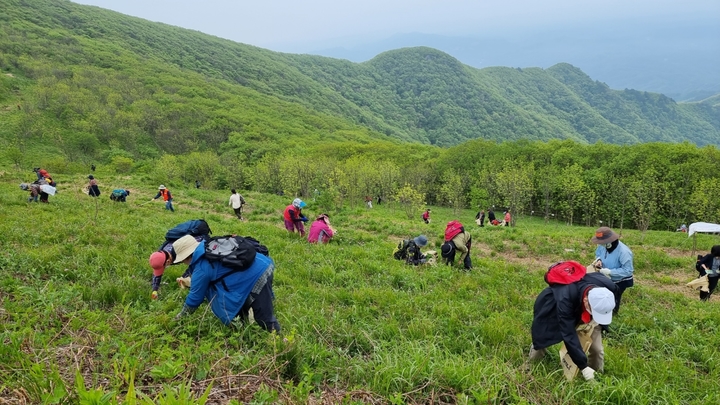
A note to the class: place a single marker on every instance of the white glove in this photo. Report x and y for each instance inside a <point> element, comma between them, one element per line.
<point>588,373</point>
<point>605,271</point>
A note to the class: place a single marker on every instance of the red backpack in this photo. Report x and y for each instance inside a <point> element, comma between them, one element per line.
<point>565,273</point>
<point>452,229</point>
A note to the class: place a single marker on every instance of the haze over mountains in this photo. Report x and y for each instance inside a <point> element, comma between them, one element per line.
<point>679,59</point>
<point>665,47</point>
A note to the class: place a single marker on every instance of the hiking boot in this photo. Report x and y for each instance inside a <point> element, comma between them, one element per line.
<point>536,355</point>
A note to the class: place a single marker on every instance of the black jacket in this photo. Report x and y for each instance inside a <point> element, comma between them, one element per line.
<point>409,251</point>
<point>707,260</point>
<point>557,312</point>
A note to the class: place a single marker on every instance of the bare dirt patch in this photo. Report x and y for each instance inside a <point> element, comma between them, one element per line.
<point>533,261</point>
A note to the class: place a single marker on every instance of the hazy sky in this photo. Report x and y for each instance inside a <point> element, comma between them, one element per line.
<point>283,24</point>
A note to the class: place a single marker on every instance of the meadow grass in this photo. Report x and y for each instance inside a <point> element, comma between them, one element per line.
<point>78,326</point>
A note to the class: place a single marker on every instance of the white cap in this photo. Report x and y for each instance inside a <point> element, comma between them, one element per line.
<point>184,247</point>
<point>602,303</point>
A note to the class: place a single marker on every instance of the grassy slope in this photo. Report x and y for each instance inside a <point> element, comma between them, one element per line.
<point>360,327</point>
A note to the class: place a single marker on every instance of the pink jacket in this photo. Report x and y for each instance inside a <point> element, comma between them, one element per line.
<point>320,232</point>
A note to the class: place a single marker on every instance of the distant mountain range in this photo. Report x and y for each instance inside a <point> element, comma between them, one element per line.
<point>677,59</point>
<point>91,81</point>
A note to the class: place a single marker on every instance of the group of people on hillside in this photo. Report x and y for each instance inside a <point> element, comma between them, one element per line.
<point>579,303</point>
<point>492,220</point>
<point>575,308</point>
<point>230,291</point>
<point>457,239</point>
<point>320,229</point>
<point>42,188</point>
<point>117,195</point>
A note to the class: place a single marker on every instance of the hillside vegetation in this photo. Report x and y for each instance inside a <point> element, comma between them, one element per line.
<point>77,324</point>
<point>84,85</point>
<point>90,79</point>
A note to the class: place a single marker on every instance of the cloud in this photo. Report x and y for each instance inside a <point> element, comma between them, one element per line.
<point>271,22</point>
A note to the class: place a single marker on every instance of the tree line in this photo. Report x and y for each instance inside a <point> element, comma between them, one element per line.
<point>647,186</point>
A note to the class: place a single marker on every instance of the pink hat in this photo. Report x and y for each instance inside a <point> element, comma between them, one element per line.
<point>157,262</point>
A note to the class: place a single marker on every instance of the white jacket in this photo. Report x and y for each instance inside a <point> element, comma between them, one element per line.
<point>235,201</point>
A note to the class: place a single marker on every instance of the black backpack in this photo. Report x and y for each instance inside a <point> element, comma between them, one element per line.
<point>235,252</point>
<point>259,247</point>
<point>400,251</point>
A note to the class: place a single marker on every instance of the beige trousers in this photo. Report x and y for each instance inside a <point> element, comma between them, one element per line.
<point>596,353</point>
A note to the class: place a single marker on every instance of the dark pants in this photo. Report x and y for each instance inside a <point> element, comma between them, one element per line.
<point>262,306</point>
<point>712,283</point>
<point>238,212</point>
<point>621,287</point>
<point>467,262</point>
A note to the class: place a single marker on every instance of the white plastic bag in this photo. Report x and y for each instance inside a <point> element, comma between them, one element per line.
<point>48,189</point>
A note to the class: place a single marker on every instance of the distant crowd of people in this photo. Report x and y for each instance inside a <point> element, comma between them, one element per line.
<point>234,274</point>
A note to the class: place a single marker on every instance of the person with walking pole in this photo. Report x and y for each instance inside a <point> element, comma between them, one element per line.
<point>237,201</point>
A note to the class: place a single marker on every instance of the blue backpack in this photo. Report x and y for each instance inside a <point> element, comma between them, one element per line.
<point>194,227</point>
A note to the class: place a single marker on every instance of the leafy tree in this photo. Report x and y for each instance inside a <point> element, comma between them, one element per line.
<point>411,200</point>
<point>297,176</point>
<point>545,181</point>
<point>267,175</point>
<point>201,166</point>
<point>452,191</point>
<point>644,198</point>
<point>705,207</point>
<point>572,190</point>
<point>515,184</point>
<point>388,179</point>
<point>122,164</point>
<point>167,169</point>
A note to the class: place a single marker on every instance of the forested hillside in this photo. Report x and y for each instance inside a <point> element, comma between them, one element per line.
<point>83,85</point>
<point>91,79</point>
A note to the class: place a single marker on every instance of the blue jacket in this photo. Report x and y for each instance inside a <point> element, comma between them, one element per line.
<point>225,304</point>
<point>620,262</point>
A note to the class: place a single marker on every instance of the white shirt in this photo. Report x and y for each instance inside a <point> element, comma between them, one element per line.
<point>235,201</point>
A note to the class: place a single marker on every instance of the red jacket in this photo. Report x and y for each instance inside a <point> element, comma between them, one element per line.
<point>165,193</point>
<point>292,213</point>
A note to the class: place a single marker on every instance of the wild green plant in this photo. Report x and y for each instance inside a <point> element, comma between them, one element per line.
<point>77,323</point>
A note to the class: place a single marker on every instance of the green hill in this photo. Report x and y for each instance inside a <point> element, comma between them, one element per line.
<point>92,82</point>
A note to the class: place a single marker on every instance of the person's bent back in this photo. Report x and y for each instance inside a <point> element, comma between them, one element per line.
<point>320,230</point>
<point>231,293</point>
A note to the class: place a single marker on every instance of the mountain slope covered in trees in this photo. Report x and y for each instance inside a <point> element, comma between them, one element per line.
<point>88,80</point>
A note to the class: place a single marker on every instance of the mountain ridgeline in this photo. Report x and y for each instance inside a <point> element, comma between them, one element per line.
<point>90,80</point>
